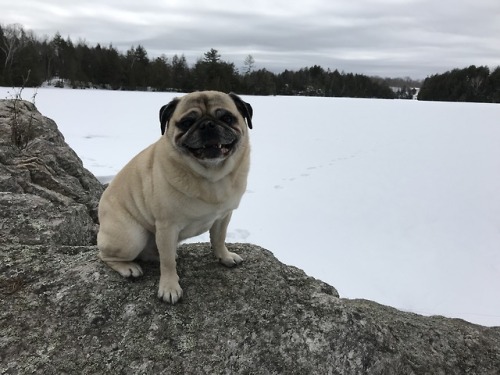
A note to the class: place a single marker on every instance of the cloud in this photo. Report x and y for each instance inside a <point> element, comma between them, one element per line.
<point>376,37</point>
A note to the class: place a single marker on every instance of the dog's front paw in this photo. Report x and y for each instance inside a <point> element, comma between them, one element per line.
<point>230,259</point>
<point>169,291</point>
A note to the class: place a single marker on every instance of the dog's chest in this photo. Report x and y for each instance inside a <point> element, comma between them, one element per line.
<point>200,224</point>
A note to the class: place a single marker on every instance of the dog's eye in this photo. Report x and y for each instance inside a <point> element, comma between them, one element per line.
<point>185,124</point>
<point>228,119</point>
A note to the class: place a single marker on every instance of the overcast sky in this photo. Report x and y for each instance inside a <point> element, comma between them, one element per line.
<point>391,38</point>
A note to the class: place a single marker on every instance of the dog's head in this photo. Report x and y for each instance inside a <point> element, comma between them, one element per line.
<point>208,125</point>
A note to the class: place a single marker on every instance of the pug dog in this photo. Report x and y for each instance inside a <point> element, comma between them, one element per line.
<point>184,184</point>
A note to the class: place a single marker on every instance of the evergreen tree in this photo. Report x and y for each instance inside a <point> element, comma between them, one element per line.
<point>212,73</point>
<point>260,82</point>
<point>161,74</point>
<point>494,86</point>
<point>136,69</point>
<point>181,74</point>
<point>472,84</point>
<point>212,57</point>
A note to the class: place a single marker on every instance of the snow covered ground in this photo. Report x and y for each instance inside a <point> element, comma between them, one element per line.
<point>393,201</point>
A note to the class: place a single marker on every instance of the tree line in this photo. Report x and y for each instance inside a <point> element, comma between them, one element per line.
<point>29,61</point>
<point>472,84</point>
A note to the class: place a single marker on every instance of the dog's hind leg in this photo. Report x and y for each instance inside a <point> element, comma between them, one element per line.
<point>119,248</point>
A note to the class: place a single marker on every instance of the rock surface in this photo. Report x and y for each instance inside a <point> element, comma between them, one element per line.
<point>41,177</point>
<point>63,311</point>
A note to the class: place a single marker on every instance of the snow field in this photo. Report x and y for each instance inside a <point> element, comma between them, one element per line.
<point>393,201</point>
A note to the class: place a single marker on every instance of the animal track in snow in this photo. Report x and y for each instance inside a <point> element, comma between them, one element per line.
<point>312,169</point>
<point>238,234</point>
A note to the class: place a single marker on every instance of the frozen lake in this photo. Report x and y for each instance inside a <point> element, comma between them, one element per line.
<point>392,201</point>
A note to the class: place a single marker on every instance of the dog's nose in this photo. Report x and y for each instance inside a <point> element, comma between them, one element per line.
<point>206,125</point>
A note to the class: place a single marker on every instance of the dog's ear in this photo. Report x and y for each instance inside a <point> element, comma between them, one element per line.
<point>244,108</point>
<point>166,113</point>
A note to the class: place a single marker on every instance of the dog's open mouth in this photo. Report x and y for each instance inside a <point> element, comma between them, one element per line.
<point>212,151</point>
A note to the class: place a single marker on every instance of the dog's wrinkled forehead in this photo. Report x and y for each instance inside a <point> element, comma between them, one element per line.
<point>203,102</point>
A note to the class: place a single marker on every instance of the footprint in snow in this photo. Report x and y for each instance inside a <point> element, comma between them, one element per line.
<point>238,234</point>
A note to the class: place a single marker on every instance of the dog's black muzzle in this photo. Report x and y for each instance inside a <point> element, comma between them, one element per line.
<point>210,139</point>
